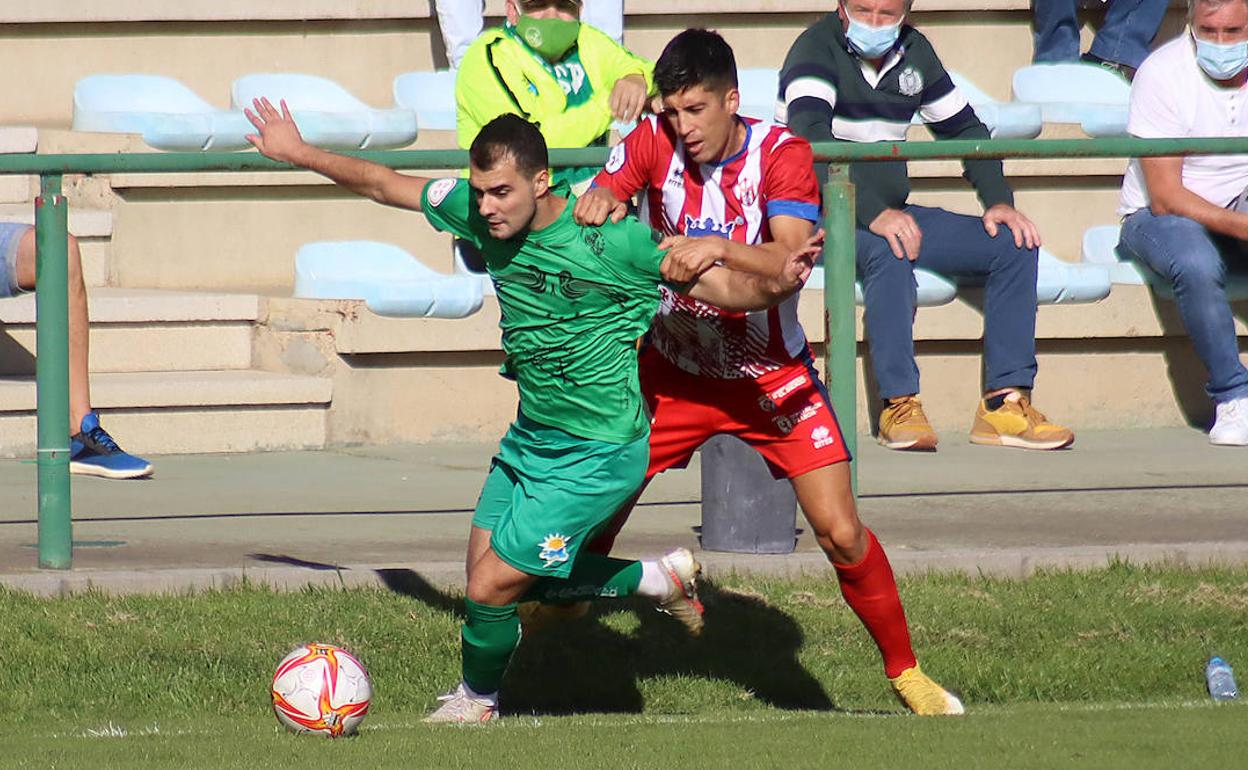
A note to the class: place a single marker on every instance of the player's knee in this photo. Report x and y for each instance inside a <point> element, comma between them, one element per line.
<point>845,539</point>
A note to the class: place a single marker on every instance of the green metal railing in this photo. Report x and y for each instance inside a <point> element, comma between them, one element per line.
<point>52,347</point>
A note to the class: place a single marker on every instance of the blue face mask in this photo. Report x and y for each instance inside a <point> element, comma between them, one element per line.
<point>872,42</point>
<point>1221,62</point>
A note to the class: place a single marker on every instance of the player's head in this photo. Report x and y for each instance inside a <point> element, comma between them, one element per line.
<point>508,170</point>
<point>550,27</point>
<point>697,77</point>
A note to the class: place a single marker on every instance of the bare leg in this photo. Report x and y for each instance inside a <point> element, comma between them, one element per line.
<point>828,502</point>
<point>79,332</point>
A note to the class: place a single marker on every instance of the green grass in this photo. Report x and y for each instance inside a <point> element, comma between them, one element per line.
<point>1096,669</point>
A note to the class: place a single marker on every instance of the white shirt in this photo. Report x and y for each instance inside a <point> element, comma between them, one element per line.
<point>1172,97</point>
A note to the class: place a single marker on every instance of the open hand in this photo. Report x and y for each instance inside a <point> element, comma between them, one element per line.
<point>1025,231</point>
<point>277,135</point>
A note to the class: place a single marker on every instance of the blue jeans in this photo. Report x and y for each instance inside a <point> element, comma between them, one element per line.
<point>1193,260</point>
<point>1130,25</point>
<point>954,245</point>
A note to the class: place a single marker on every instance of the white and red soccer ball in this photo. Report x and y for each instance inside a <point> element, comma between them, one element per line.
<point>321,689</point>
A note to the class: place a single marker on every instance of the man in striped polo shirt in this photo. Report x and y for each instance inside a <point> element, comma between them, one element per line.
<point>860,75</point>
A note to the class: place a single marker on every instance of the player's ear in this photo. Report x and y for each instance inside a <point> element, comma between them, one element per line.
<point>732,100</point>
<point>541,182</point>
<point>512,12</point>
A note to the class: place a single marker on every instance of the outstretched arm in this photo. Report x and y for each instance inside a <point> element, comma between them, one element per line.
<point>689,257</point>
<point>743,292</point>
<point>278,138</point>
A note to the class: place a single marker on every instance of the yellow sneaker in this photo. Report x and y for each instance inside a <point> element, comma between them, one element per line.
<point>1018,424</point>
<point>904,426</point>
<point>536,616</point>
<point>923,696</point>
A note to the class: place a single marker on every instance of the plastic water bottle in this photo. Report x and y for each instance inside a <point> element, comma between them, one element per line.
<point>1221,680</point>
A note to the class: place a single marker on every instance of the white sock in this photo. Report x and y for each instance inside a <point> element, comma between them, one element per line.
<point>655,583</point>
<point>490,698</point>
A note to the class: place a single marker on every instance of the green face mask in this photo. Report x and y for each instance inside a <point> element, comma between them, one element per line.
<point>552,38</point>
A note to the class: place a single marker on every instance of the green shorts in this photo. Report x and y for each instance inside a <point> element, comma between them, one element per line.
<point>549,493</point>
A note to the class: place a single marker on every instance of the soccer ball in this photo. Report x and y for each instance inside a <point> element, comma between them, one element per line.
<point>321,689</point>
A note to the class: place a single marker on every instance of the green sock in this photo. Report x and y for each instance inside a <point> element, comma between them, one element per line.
<point>489,637</point>
<point>593,577</point>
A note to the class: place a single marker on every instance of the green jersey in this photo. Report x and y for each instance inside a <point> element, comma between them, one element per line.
<point>574,300</point>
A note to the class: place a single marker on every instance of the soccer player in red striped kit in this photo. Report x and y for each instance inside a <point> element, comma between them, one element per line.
<point>741,192</point>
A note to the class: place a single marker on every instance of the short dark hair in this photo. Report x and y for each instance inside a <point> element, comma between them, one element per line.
<point>510,136</point>
<point>696,57</point>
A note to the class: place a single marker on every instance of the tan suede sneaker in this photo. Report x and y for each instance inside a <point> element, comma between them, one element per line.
<point>1018,424</point>
<point>904,426</point>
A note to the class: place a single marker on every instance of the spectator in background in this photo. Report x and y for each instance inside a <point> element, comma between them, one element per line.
<point>1121,43</point>
<point>92,451</point>
<point>1185,218</point>
<point>547,67</point>
<point>860,75</point>
<point>461,22</point>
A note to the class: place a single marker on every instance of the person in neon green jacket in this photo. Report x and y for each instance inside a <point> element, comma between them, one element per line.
<point>545,66</point>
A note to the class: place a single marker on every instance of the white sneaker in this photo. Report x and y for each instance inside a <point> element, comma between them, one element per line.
<point>1231,426</point>
<point>463,706</point>
<point>682,601</point>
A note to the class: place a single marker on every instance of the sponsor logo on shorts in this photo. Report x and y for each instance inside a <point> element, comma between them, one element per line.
<point>554,549</point>
<point>766,404</point>
<point>822,436</point>
<point>787,422</point>
<point>618,156</point>
<point>787,388</point>
<point>439,190</point>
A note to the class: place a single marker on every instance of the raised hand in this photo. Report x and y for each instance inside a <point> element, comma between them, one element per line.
<point>277,135</point>
<point>800,262</point>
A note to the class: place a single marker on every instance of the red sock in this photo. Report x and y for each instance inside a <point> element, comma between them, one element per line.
<point>871,591</point>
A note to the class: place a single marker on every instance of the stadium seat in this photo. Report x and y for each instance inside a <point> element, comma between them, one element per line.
<point>1100,246</point>
<point>166,113</point>
<point>327,114</point>
<point>933,289</point>
<point>760,89</point>
<point>431,95</point>
<point>1005,120</point>
<point>390,281</point>
<point>468,263</point>
<point>1086,94</point>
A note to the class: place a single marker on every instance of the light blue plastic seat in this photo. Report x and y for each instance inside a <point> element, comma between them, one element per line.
<point>1005,120</point>
<point>327,114</point>
<point>1087,94</point>
<point>466,258</point>
<point>1100,247</point>
<point>431,95</point>
<point>1068,283</point>
<point>164,111</point>
<point>760,89</point>
<point>389,280</point>
<point>933,289</point>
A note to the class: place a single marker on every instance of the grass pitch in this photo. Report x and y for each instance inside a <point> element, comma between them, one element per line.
<point>1100,669</point>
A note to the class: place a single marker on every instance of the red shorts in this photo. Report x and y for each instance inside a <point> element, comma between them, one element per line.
<point>786,415</point>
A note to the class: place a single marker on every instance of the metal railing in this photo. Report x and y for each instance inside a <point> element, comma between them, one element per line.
<point>51,218</point>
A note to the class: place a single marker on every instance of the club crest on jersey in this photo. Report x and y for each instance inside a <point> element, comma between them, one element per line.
<point>554,549</point>
<point>909,82</point>
<point>698,227</point>
<point>616,161</point>
<point>439,189</point>
<point>747,192</point>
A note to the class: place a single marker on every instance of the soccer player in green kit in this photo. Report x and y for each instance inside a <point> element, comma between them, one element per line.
<point>574,301</point>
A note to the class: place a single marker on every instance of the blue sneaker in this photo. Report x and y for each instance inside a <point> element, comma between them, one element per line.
<point>94,453</point>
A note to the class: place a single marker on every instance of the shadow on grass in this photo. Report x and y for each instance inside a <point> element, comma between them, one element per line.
<point>587,666</point>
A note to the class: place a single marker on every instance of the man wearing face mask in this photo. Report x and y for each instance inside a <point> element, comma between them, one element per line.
<point>1186,218</point>
<point>547,67</point>
<point>860,75</point>
<point>461,22</point>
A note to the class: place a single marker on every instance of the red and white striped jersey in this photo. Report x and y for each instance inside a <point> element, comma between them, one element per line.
<point>773,175</point>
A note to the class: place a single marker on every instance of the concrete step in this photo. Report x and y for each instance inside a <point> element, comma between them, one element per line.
<point>138,330</point>
<point>186,412</point>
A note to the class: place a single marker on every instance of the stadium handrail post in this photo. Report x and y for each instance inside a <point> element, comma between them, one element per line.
<point>841,337</point>
<point>52,373</point>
